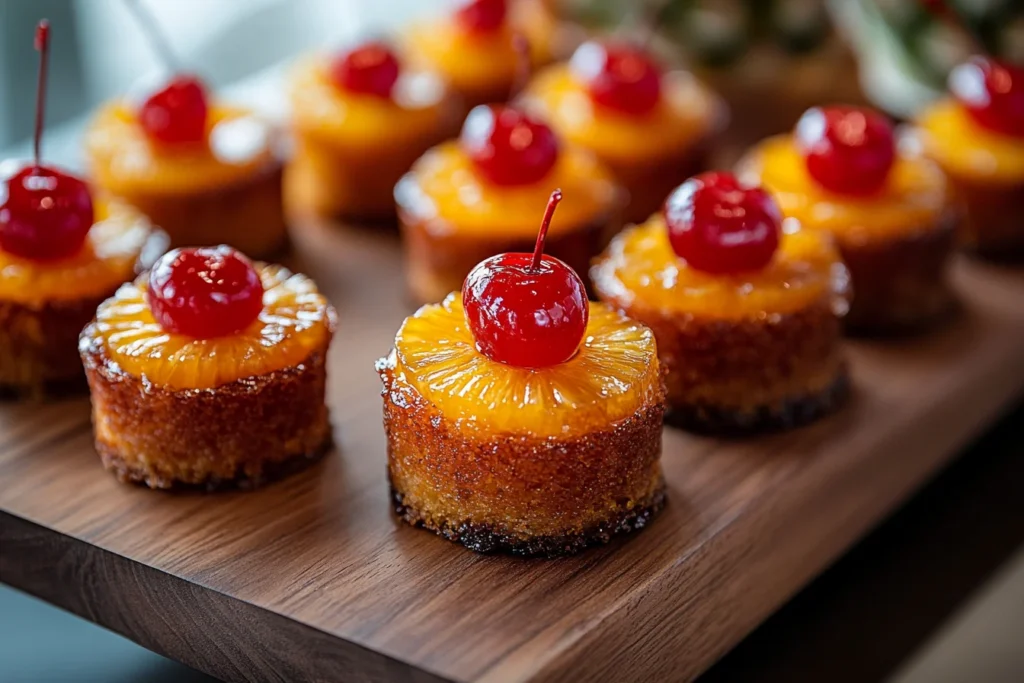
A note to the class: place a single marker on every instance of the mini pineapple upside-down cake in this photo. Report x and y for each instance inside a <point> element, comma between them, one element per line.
<point>360,120</point>
<point>888,207</point>
<point>652,129</point>
<point>63,250</point>
<point>746,313</point>
<point>977,136</point>
<point>522,418</point>
<point>209,371</point>
<point>468,199</point>
<point>476,49</point>
<point>205,172</point>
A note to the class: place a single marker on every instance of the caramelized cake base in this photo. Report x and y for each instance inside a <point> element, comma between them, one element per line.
<point>39,346</point>
<point>248,215</point>
<point>239,434</point>
<point>519,494</point>
<point>992,227</point>
<point>751,375</point>
<point>900,284</point>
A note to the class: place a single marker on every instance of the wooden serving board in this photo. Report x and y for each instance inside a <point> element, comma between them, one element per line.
<point>313,578</point>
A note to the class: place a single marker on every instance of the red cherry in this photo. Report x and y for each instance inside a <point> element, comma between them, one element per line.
<point>370,69</point>
<point>176,114</point>
<point>508,146</point>
<point>481,16</point>
<point>527,310</point>
<point>205,292</point>
<point>848,150</point>
<point>992,92</point>
<point>719,226</point>
<point>44,214</point>
<point>620,77</point>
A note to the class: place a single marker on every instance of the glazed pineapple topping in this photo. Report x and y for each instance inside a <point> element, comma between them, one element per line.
<point>848,150</point>
<point>369,69</point>
<point>527,310</point>
<point>622,77</point>
<point>992,92</point>
<point>720,226</point>
<point>177,113</point>
<point>477,17</point>
<point>204,292</point>
<point>508,146</point>
<point>45,214</point>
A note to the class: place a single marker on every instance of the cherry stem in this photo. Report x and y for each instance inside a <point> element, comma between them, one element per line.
<point>43,45</point>
<point>151,27</point>
<point>538,250</point>
<point>523,67</point>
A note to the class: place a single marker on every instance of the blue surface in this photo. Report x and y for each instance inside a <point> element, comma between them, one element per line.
<point>42,644</point>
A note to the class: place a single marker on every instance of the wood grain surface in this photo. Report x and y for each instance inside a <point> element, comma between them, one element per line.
<point>312,578</point>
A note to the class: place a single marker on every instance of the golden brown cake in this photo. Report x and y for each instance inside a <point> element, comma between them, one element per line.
<point>748,342</point>
<point>528,461</point>
<point>223,188</point>
<point>980,146</point>
<point>652,129</point>
<point>896,238</point>
<point>360,120</point>
<point>236,408</point>
<point>521,418</point>
<point>469,199</point>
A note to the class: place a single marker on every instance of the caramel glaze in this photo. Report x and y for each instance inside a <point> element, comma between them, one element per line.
<point>515,493</point>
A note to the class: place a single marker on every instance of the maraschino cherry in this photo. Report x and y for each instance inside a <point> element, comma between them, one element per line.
<point>527,310</point>
<point>507,145</point>
<point>45,214</point>
<point>369,69</point>
<point>992,92</point>
<point>204,292</point>
<point>720,226</point>
<point>620,77</point>
<point>481,16</point>
<point>177,113</point>
<point>848,150</point>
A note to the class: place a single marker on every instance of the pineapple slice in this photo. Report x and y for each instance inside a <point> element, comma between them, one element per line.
<point>296,320</point>
<point>640,264</point>
<point>614,374</point>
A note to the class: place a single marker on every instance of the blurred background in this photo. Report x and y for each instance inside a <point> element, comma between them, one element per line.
<point>770,58</point>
